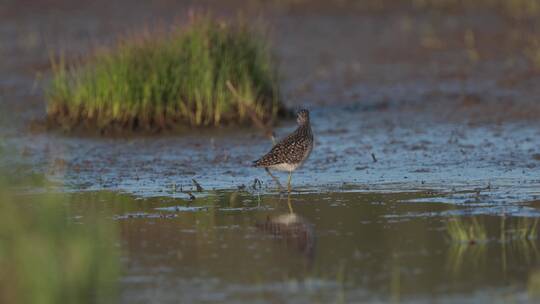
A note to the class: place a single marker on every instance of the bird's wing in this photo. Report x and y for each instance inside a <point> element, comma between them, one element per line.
<point>288,150</point>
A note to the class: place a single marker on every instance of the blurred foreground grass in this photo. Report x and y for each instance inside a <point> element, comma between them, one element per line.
<point>204,74</point>
<point>47,255</point>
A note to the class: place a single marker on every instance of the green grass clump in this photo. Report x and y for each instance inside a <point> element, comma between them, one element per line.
<point>466,231</point>
<point>47,258</point>
<point>524,229</point>
<point>460,230</point>
<point>207,73</point>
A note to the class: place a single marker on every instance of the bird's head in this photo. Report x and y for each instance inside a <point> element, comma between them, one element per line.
<point>302,117</point>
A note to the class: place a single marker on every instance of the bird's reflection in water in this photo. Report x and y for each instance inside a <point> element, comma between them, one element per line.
<point>293,230</point>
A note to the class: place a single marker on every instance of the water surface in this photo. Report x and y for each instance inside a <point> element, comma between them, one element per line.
<point>343,247</point>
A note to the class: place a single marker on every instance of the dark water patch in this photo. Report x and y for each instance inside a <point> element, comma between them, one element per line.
<point>326,246</point>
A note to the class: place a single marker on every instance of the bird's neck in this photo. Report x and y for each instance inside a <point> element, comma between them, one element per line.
<point>304,129</point>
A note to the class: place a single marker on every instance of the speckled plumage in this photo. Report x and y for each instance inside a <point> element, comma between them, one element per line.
<point>293,150</point>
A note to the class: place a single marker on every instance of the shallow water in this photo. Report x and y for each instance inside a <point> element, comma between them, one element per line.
<point>497,160</point>
<point>316,248</point>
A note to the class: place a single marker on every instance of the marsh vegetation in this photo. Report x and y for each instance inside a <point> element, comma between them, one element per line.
<point>205,73</point>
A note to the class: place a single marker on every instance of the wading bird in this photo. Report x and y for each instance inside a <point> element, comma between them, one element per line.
<point>291,152</point>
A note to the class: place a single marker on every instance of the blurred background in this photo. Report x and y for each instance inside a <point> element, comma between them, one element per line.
<point>477,59</point>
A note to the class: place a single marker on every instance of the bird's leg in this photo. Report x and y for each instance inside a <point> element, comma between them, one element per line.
<point>289,203</point>
<point>289,182</point>
<point>274,178</point>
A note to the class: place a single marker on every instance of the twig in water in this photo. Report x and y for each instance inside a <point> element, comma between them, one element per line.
<point>374,158</point>
<point>197,185</point>
<point>256,183</point>
<point>191,196</point>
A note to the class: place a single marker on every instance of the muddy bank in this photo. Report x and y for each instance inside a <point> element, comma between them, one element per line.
<point>410,155</point>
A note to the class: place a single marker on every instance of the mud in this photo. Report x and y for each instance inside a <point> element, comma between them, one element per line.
<point>496,160</point>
